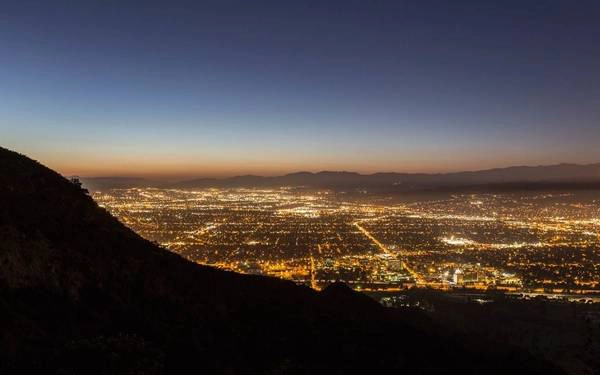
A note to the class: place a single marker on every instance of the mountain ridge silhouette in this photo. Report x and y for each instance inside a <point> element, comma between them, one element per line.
<point>562,175</point>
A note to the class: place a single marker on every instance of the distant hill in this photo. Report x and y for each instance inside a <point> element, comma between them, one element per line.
<point>80,293</point>
<point>561,175</point>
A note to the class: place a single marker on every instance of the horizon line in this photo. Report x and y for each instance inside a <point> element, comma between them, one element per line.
<point>183,179</point>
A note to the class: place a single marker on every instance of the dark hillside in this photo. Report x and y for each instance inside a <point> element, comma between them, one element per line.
<point>82,294</point>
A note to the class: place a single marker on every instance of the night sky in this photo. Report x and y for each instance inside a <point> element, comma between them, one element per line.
<point>228,87</point>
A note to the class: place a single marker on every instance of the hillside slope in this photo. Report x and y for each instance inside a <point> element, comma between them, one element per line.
<point>82,294</point>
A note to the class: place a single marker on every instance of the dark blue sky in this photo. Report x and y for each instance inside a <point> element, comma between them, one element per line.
<point>228,87</point>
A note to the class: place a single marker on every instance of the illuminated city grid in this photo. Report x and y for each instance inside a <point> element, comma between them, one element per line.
<point>509,242</point>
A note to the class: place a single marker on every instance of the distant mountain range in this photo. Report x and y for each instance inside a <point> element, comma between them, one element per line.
<point>560,175</point>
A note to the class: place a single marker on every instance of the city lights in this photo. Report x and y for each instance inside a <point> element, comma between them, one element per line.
<point>515,243</point>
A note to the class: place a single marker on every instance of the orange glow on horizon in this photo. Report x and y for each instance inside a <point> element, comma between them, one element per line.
<point>162,165</point>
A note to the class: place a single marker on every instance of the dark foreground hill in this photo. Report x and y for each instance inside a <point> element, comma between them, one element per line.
<point>82,294</point>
